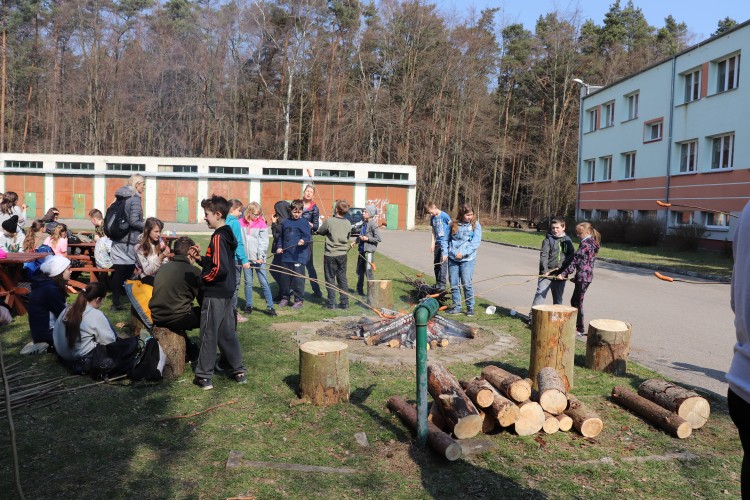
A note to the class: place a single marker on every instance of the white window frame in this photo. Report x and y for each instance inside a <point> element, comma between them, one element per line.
<point>677,218</point>
<point>589,170</point>
<point>689,156</point>
<point>648,130</point>
<point>715,220</point>
<point>593,115</point>
<point>722,159</point>
<point>633,105</point>
<point>693,85</point>
<point>609,114</point>
<point>585,214</point>
<point>629,162</point>
<point>728,78</point>
<point>606,162</point>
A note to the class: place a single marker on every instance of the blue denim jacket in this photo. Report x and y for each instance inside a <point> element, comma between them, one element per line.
<point>464,241</point>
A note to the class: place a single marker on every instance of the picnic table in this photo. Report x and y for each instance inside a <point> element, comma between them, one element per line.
<point>518,223</point>
<point>11,271</point>
<point>87,248</point>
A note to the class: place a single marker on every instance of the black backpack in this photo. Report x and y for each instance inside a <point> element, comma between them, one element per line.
<point>116,224</point>
<point>112,360</point>
<point>150,363</point>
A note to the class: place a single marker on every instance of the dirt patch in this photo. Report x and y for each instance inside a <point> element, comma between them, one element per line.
<point>488,343</point>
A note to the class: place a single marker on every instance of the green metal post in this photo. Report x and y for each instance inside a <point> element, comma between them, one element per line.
<point>422,314</point>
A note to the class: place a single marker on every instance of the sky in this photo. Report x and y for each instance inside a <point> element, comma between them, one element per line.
<point>700,16</point>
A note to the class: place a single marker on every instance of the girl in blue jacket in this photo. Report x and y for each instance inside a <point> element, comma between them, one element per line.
<point>463,241</point>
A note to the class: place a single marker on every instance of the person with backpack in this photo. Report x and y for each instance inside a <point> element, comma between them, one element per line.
<point>124,224</point>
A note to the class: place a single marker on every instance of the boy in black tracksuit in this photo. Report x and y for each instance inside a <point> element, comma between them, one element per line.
<point>557,253</point>
<point>218,321</point>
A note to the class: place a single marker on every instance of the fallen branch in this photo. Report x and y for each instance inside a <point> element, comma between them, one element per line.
<point>196,413</point>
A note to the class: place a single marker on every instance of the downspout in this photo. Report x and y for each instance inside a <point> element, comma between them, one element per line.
<point>424,311</point>
<point>669,140</point>
<point>580,147</point>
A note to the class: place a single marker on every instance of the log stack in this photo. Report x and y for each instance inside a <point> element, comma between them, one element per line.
<point>667,420</point>
<point>685,403</point>
<point>459,413</point>
<point>402,331</point>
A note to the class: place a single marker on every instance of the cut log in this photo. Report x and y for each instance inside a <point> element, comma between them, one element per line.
<point>661,417</point>
<point>687,404</point>
<point>553,338</point>
<point>461,416</point>
<point>512,386</point>
<point>455,328</point>
<point>585,420</point>
<point>324,372</point>
<point>479,391</point>
<point>393,329</point>
<point>551,424</point>
<point>173,345</point>
<point>488,423</point>
<point>439,440</point>
<point>551,391</point>
<point>444,342</point>
<point>530,418</point>
<point>380,294</point>
<point>608,346</point>
<point>436,417</point>
<point>566,423</point>
<point>503,410</point>
<point>394,343</point>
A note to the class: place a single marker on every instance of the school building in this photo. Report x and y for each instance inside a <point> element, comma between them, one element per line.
<point>74,184</point>
<point>676,132</point>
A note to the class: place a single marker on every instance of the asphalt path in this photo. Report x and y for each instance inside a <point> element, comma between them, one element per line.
<point>683,331</point>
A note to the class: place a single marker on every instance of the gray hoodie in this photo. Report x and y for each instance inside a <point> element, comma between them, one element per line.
<point>123,250</point>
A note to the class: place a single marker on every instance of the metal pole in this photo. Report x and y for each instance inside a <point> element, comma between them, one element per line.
<point>422,314</point>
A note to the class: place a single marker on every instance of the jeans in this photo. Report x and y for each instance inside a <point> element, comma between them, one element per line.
<point>543,286</point>
<point>461,275</point>
<point>264,286</point>
<point>441,268</point>
<point>218,325</point>
<point>739,410</point>
<point>335,271</point>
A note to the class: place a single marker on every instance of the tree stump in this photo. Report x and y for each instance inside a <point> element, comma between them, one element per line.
<point>687,404</point>
<point>553,338</point>
<point>667,420</point>
<point>608,346</point>
<point>173,345</point>
<point>380,294</point>
<point>585,420</point>
<point>324,372</point>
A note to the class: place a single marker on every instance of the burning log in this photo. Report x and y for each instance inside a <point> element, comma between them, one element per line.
<point>511,386</point>
<point>459,412</point>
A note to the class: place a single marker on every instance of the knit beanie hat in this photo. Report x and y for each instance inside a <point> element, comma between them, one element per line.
<point>11,225</point>
<point>372,210</point>
<point>54,265</point>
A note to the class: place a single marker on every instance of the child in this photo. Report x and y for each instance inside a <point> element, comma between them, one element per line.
<point>82,326</point>
<point>35,237</point>
<point>241,261</point>
<point>337,231</point>
<point>557,252</point>
<point>368,243</point>
<point>176,286</point>
<point>583,265</point>
<point>255,233</point>
<point>47,297</point>
<point>8,208</point>
<point>218,321</point>
<point>292,246</point>
<point>280,214</point>
<point>463,241</point>
<point>58,240</point>
<point>97,219</point>
<point>441,224</point>
<point>50,220</point>
<point>12,239</point>
<point>150,251</point>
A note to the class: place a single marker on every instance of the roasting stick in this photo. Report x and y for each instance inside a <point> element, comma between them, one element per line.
<point>668,205</point>
<point>670,279</point>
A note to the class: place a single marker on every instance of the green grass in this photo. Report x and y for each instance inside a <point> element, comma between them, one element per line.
<point>701,261</point>
<point>104,441</point>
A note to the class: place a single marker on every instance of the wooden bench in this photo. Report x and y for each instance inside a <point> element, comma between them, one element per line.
<point>519,223</point>
<point>92,271</point>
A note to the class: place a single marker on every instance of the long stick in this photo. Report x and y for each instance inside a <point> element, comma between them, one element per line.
<point>668,205</point>
<point>11,426</point>
<point>670,279</point>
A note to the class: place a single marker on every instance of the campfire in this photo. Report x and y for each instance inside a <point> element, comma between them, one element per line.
<point>402,331</point>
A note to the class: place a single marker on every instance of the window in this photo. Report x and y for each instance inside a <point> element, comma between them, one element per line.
<point>131,167</point>
<point>688,156</point>
<point>625,214</point>
<point>179,168</point>
<point>646,214</point>
<point>653,130</point>
<point>282,171</point>
<point>593,119</point>
<point>22,164</point>
<point>586,214</point>
<point>715,219</point>
<point>229,170</point>
<point>609,114</point>
<point>693,86</point>
<point>680,218</point>
<point>728,73</point>
<point>632,106</point>
<point>74,165</point>
<point>606,162</point>
<point>589,171</point>
<point>393,176</point>
<point>334,173</point>
<point>602,214</point>
<point>629,165</point>
<point>722,152</point>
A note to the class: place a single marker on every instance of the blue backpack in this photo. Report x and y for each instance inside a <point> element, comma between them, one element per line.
<point>32,267</point>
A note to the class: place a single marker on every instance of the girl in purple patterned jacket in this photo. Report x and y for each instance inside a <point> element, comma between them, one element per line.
<point>583,265</point>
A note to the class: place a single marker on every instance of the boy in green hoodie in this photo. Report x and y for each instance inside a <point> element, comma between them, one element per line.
<point>336,230</point>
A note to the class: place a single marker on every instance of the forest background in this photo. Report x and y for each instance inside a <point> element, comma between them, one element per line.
<point>487,113</point>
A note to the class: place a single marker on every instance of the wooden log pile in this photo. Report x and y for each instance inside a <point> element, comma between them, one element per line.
<point>402,331</point>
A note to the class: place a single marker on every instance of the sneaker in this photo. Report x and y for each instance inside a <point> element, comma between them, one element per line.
<point>360,291</point>
<point>470,312</point>
<point>283,302</point>
<point>454,310</point>
<point>241,318</point>
<point>271,311</point>
<point>581,334</point>
<point>35,348</point>
<point>329,306</point>
<point>344,306</point>
<point>203,383</point>
<point>298,304</point>
<point>240,378</point>
<point>247,309</point>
